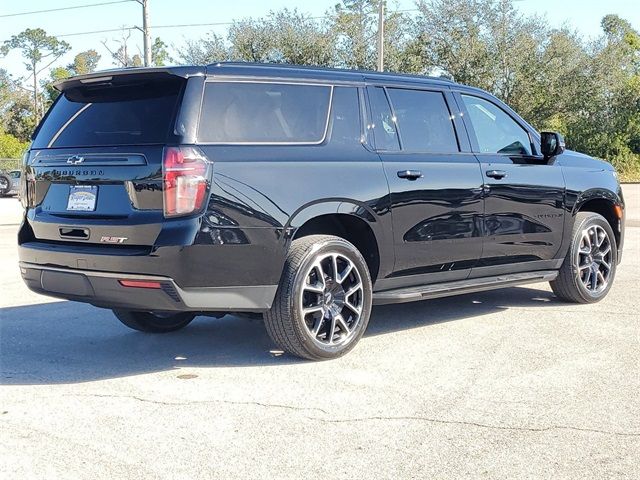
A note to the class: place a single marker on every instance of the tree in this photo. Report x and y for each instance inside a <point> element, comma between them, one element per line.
<point>297,39</point>
<point>204,51</point>
<point>36,47</point>
<point>17,117</point>
<point>84,62</point>
<point>250,40</point>
<point>121,56</point>
<point>355,28</point>
<point>10,146</point>
<point>159,53</point>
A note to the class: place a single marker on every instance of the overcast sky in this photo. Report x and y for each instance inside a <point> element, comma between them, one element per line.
<point>584,15</point>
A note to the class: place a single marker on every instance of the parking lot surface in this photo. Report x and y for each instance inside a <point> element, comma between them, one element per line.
<point>504,384</point>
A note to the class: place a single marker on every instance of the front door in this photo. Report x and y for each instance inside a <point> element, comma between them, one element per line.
<point>435,186</point>
<point>524,193</point>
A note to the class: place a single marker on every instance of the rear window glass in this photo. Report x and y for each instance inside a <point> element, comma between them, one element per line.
<point>126,114</point>
<point>235,112</point>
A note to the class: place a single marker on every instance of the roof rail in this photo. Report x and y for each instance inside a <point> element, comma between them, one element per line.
<point>368,73</point>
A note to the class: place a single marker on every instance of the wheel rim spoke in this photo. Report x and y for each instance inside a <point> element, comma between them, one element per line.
<point>342,324</point>
<point>352,307</point>
<point>345,273</point>
<point>308,310</point>
<point>353,290</point>
<point>318,325</point>
<point>332,331</point>
<point>334,265</point>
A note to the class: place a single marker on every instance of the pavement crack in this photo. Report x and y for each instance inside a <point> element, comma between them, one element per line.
<point>477,424</point>
<point>196,402</point>
<point>364,419</point>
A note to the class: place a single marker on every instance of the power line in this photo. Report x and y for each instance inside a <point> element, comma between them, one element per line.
<point>96,31</point>
<point>65,8</point>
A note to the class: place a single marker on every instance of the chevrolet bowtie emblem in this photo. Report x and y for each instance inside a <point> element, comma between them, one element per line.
<point>75,160</point>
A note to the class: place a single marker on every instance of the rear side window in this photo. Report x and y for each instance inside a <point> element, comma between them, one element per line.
<point>496,131</point>
<point>245,112</point>
<point>125,114</point>
<point>424,121</point>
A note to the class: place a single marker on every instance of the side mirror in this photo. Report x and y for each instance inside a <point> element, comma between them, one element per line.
<point>551,144</point>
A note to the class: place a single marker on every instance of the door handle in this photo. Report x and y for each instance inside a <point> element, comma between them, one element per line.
<point>410,174</point>
<point>497,174</point>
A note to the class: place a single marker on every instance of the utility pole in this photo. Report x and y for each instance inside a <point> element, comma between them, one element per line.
<point>381,36</point>
<point>146,32</point>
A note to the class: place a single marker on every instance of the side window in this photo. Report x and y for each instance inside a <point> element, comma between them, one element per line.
<point>424,121</point>
<point>244,112</point>
<point>345,117</point>
<point>383,123</point>
<point>496,131</point>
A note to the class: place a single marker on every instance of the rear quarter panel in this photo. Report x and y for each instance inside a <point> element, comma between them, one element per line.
<point>281,187</point>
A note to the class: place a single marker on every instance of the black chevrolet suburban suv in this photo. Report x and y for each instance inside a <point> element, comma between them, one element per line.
<point>304,195</point>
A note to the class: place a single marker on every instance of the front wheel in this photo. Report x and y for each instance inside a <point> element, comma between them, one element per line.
<point>589,268</point>
<point>150,322</point>
<point>323,302</point>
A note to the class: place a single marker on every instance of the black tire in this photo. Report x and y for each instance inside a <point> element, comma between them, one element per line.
<point>149,322</point>
<point>568,285</point>
<point>289,328</point>
<point>5,185</point>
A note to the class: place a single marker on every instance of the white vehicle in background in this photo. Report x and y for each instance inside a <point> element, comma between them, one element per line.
<point>9,183</point>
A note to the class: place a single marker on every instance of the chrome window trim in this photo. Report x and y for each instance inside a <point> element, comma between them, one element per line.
<point>273,82</point>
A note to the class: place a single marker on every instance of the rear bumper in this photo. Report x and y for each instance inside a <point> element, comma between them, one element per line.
<point>103,289</point>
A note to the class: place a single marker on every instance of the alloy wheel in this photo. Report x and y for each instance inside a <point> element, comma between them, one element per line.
<point>594,259</point>
<point>331,300</point>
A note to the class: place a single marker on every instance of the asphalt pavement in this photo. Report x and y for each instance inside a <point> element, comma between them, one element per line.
<point>505,384</point>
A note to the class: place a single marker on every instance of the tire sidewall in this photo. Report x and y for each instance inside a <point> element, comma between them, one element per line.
<point>587,222</point>
<point>344,248</point>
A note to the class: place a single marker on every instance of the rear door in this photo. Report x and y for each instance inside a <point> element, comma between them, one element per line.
<point>434,180</point>
<point>95,166</point>
<point>524,194</point>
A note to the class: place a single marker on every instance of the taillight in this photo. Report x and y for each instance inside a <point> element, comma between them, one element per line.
<point>185,173</point>
<point>24,186</point>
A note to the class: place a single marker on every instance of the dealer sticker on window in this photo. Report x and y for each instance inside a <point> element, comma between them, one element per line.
<point>82,198</point>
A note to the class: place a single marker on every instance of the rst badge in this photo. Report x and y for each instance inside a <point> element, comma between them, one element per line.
<point>113,239</point>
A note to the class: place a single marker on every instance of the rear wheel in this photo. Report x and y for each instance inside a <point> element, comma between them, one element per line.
<point>150,322</point>
<point>323,301</point>
<point>590,265</point>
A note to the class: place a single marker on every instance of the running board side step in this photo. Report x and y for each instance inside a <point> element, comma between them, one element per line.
<point>425,292</point>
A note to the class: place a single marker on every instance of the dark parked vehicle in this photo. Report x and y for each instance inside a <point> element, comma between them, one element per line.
<point>305,195</point>
<point>10,183</point>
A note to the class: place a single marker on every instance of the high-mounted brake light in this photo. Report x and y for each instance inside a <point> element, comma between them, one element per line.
<point>185,173</point>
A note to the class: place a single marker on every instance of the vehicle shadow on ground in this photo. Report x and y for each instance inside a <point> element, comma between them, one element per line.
<point>67,342</point>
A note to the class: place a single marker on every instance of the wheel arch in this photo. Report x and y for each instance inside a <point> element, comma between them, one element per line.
<point>352,221</point>
<point>608,204</point>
